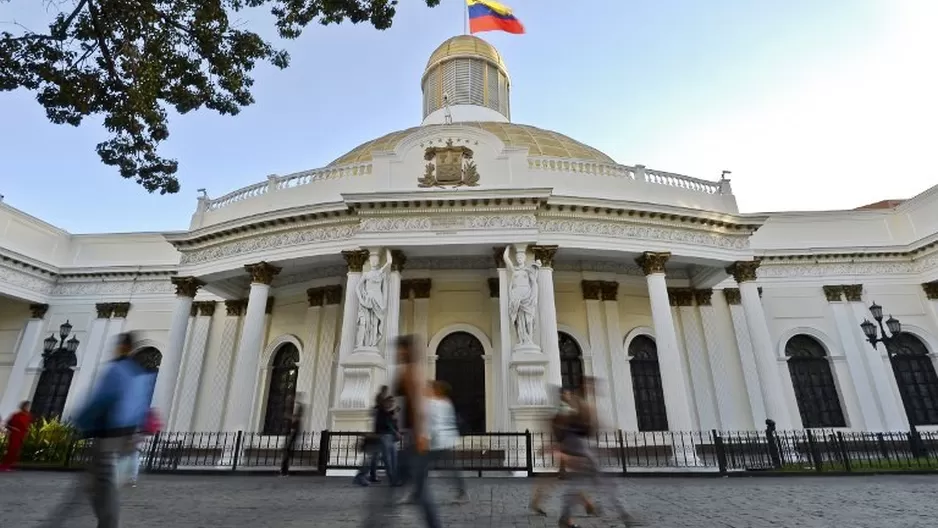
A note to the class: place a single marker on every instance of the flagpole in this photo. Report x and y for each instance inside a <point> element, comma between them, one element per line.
<point>465,13</point>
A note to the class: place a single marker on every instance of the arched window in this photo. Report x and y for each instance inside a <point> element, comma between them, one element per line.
<point>916,378</point>
<point>150,359</point>
<point>571,362</point>
<point>54,382</point>
<point>646,385</point>
<point>460,364</point>
<point>281,392</point>
<point>813,381</point>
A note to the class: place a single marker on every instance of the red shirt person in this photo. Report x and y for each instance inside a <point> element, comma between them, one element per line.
<point>17,427</point>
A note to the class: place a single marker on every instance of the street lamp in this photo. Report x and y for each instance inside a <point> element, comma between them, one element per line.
<point>51,345</point>
<point>895,328</point>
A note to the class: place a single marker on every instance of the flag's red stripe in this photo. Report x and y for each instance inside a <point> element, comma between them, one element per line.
<point>493,23</point>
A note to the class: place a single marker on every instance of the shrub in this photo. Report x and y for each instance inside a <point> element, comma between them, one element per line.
<point>47,442</point>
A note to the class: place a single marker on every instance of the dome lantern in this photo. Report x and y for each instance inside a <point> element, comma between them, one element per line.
<point>465,80</point>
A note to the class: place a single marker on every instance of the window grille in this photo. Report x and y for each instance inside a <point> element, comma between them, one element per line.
<point>813,381</point>
<point>646,385</point>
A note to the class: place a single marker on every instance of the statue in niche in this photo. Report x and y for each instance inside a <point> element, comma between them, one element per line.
<point>372,302</point>
<point>522,295</point>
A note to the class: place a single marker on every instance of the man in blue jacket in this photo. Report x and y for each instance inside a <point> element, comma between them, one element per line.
<point>115,410</point>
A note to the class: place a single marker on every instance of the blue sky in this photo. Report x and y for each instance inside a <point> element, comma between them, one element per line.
<point>812,104</point>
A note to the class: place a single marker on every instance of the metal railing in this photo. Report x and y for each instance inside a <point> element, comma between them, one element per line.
<point>721,452</point>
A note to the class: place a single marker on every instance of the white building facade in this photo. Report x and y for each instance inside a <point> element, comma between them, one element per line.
<point>522,258</point>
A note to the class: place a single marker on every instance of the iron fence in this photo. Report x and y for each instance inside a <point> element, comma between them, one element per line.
<point>722,452</point>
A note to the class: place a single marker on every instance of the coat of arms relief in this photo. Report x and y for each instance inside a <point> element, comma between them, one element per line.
<point>449,166</point>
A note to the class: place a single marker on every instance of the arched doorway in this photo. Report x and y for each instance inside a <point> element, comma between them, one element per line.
<point>58,369</point>
<point>460,364</point>
<point>646,385</point>
<point>813,381</point>
<point>150,359</point>
<point>281,392</point>
<point>571,362</point>
<point>916,378</point>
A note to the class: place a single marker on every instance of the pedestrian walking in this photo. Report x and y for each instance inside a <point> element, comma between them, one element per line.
<point>444,435</point>
<point>17,426</point>
<point>381,443</point>
<point>294,427</point>
<point>114,412</point>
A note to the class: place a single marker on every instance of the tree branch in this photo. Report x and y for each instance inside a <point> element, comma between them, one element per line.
<point>102,43</point>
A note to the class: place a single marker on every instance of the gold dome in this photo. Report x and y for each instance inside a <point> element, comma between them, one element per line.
<point>465,46</point>
<point>539,142</point>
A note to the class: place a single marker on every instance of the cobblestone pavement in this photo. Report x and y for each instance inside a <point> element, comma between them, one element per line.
<point>174,501</point>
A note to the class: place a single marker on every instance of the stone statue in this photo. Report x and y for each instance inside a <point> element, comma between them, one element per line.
<point>372,302</point>
<point>522,295</point>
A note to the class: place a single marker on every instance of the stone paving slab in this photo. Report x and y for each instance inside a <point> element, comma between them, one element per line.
<point>188,501</point>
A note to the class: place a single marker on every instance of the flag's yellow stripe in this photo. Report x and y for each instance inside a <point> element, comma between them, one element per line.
<point>499,8</point>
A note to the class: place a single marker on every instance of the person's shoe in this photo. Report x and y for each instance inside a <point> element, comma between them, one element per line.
<point>361,481</point>
<point>374,480</point>
<point>536,508</point>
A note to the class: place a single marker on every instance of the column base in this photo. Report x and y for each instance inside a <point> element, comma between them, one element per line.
<point>351,420</point>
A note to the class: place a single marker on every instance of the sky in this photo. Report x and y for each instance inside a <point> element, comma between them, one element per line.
<point>813,105</point>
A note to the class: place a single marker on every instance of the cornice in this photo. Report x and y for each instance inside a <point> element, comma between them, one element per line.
<point>251,225</point>
<point>731,222</point>
<point>448,195</point>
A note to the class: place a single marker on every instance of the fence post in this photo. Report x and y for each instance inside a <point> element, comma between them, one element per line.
<point>529,452</point>
<point>814,452</point>
<point>237,453</point>
<point>153,447</point>
<point>721,450</point>
<point>771,439</point>
<point>842,447</point>
<point>323,462</point>
<point>620,438</point>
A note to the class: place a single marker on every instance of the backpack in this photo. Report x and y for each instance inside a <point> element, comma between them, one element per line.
<point>152,424</point>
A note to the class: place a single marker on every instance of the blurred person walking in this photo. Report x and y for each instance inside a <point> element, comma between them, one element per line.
<point>17,427</point>
<point>381,443</point>
<point>294,426</point>
<point>129,466</point>
<point>444,434</point>
<point>115,411</point>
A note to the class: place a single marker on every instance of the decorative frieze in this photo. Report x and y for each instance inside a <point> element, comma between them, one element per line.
<point>447,223</point>
<point>355,259</point>
<point>592,290</point>
<point>204,308</point>
<point>332,294</point>
<point>545,254</point>
<point>493,287</point>
<point>122,287</point>
<point>833,293</point>
<point>652,262</point>
<point>732,296</point>
<point>120,310</point>
<point>853,292</point>
<point>236,307</point>
<point>186,286</point>
<point>421,288</point>
<point>744,270</point>
<point>931,290</point>
<point>614,229</point>
<point>315,296</point>
<point>270,241</point>
<point>703,297</point>
<point>38,311</point>
<point>262,272</point>
<point>398,260</point>
<point>610,290</point>
<point>681,296</point>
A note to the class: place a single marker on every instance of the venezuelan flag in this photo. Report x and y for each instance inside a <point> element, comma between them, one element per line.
<point>489,15</point>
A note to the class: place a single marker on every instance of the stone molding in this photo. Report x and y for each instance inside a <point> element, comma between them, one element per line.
<point>269,240</point>
<point>186,286</point>
<point>38,311</point>
<point>681,296</point>
<point>236,307</point>
<point>853,292</point>
<point>732,296</point>
<point>262,272</point>
<point>744,270</point>
<point>545,254</point>
<point>652,263</point>
<point>447,222</point>
<point>355,259</point>
<point>703,297</point>
<point>624,230</point>
<point>398,260</point>
<point>315,297</point>
<point>833,293</point>
<point>332,294</point>
<point>931,290</point>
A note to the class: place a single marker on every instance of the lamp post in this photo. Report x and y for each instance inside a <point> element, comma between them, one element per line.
<point>895,328</point>
<point>52,346</point>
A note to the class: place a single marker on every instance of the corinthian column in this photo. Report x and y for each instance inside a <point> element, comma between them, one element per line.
<point>620,379</point>
<point>669,356</point>
<point>247,361</point>
<point>767,360</point>
<point>186,288</point>
<point>716,357</point>
<point>28,345</point>
<point>325,355</point>
<point>547,311</point>
<point>592,295</point>
<point>701,378</point>
<point>89,358</point>
<point>191,376</point>
<point>216,408</point>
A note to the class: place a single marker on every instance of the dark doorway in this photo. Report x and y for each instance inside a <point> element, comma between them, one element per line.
<point>916,377</point>
<point>813,382</point>
<point>281,393</point>
<point>54,383</point>
<point>460,364</point>
<point>571,362</point>
<point>646,385</point>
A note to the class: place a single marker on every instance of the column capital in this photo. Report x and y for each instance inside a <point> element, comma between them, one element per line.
<point>269,307</point>
<point>493,287</point>
<point>652,263</point>
<point>38,311</point>
<point>236,307</point>
<point>355,259</point>
<point>853,292</point>
<point>315,297</point>
<point>120,310</point>
<point>833,293</point>
<point>743,270</point>
<point>187,286</point>
<point>262,272</point>
<point>498,253</point>
<point>545,254</point>
<point>204,308</point>
<point>104,310</point>
<point>610,290</point>
<point>931,290</point>
<point>703,297</point>
<point>592,290</point>
<point>732,296</point>
<point>681,296</point>
<point>332,294</point>
<point>406,288</point>
<point>421,288</point>
<point>398,260</point>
